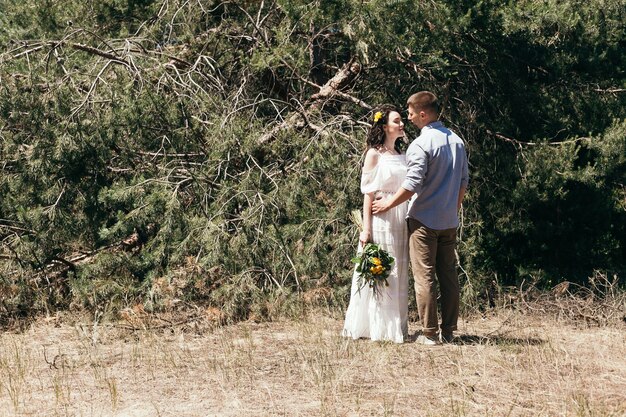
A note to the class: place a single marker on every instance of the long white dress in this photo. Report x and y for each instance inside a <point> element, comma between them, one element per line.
<point>384,317</point>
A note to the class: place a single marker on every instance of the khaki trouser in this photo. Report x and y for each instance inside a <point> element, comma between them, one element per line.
<point>432,254</point>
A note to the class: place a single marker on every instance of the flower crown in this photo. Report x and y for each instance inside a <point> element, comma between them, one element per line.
<point>378,116</point>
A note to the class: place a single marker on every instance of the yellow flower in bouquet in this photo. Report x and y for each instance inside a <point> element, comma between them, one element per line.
<point>373,266</point>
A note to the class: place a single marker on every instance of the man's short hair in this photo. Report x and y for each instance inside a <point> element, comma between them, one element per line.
<point>424,100</point>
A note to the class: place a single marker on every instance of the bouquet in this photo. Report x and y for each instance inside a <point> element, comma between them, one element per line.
<point>373,267</point>
<point>373,264</point>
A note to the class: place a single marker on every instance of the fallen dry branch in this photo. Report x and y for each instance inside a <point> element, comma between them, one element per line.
<point>520,143</point>
<point>95,51</point>
<point>331,89</point>
<point>59,266</point>
<point>37,46</point>
<point>600,303</point>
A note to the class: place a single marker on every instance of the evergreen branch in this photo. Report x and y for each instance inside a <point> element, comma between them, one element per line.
<point>488,48</point>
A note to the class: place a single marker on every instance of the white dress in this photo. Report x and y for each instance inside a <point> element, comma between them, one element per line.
<point>385,317</point>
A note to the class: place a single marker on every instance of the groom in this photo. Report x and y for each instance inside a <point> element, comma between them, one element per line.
<point>436,181</point>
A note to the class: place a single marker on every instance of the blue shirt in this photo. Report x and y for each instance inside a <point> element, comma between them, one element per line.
<point>437,169</point>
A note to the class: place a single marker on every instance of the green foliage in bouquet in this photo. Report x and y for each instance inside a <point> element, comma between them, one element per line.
<point>373,265</point>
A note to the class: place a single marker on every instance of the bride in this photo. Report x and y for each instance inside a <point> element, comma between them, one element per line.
<point>384,317</point>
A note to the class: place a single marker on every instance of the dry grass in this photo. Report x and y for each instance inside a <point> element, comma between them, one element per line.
<point>507,364</point>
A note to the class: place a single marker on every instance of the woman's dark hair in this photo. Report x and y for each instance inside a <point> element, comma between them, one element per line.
<point>376,134</point>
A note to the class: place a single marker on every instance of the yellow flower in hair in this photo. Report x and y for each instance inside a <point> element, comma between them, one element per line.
<point>378,116</point>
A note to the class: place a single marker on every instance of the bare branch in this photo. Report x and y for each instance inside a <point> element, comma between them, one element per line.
<point>520,142</point>
<point>95,51</point>
<point>329,90</point>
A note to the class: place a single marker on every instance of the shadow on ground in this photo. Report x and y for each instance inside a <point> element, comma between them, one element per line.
<point>469,339</point>
<point>497,340</point>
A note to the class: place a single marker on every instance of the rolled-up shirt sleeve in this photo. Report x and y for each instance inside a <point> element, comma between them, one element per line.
<point>417,166</point>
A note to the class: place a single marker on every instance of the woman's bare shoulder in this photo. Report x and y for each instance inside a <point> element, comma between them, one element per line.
<point>371,159</point>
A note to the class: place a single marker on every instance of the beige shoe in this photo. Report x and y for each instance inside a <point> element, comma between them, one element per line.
<point>426,340</point>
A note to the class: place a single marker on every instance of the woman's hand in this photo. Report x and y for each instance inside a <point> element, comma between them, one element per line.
<point>365,237</point>
<point>379,205</point>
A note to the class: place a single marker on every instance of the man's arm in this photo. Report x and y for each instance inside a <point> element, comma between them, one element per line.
<point>461,195</point>
<point>464,181</point>
<point>380,205</point>
<point>417,166</point>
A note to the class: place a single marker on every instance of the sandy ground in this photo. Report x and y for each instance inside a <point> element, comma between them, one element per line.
<point>504,364</point>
